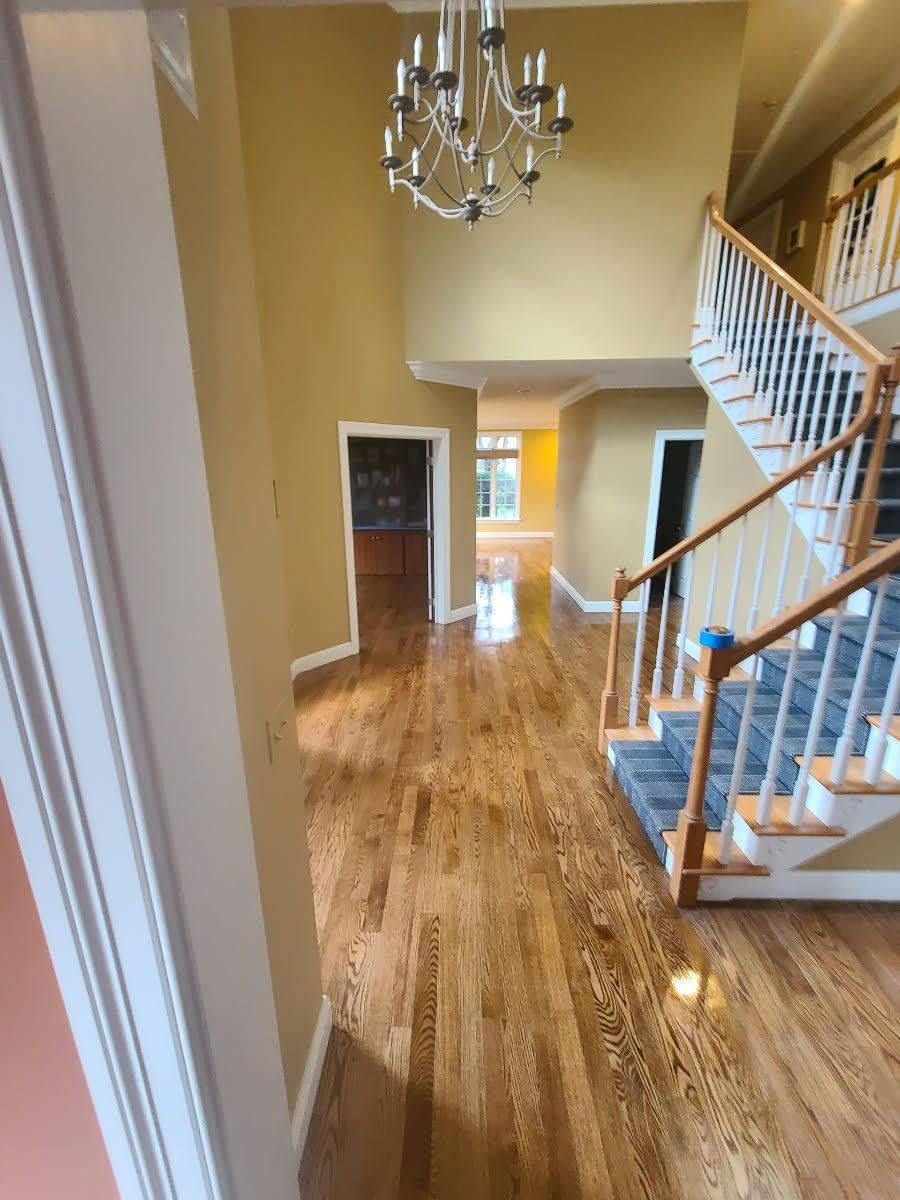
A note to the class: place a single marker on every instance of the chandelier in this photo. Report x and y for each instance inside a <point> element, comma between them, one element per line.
<point>476,141</point>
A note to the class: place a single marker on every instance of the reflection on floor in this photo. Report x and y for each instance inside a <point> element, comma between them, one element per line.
<point>519,1011</point>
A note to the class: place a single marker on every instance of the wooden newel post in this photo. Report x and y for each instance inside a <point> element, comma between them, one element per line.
<point>825,256</point>
<point>691,831</point>
<point>609,702</point>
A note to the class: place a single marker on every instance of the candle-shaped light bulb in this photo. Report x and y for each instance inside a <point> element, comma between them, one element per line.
<point>529,157</point>
<point>526,70</point>
<point>417,50</point>
<point>488,14</point>
<point>415,160</point>
<point>541,68</point>
<point>442,51</point>
<point>388,140</point>
<point>490,171</point>
<point>561,100</point>
<point>458,103</point>
<point>401,78</point>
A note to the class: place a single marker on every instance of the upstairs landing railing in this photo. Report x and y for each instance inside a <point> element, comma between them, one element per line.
<point>821,396</point>
<point>860,251</point>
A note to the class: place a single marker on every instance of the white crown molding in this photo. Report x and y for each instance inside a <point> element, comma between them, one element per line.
<point>456,376</point>
<point>577,392</point>
<point>414,6</point>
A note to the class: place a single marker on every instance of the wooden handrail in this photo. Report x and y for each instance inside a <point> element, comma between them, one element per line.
<point>859,424</point>
<point>716,664</point>
<point>836,202</point>
<point>855,342</point>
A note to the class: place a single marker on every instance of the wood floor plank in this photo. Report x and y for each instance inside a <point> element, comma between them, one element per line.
<point>519,1009</point>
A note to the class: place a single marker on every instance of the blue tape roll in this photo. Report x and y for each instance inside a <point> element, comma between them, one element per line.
<point>716,638</point>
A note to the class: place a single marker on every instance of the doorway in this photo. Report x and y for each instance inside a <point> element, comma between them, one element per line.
<point>674,485</point>
<point>395,485</point>
<point>390,501</point>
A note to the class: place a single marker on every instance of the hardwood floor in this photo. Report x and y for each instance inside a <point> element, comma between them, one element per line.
<point>519,1010</point>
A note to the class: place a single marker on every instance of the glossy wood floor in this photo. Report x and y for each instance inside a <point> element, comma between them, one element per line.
<point>519,1010</point>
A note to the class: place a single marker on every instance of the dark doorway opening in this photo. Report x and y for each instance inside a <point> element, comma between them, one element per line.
<point>677,505</point>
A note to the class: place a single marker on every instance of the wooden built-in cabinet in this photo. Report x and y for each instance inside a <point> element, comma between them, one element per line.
<point>390,551</point>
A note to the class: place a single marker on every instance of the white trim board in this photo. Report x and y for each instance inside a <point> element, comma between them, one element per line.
<point>321,658</point>
<point>460,614</point>
<point>592,606</point>
<point>878,886</point>
<point>503,536</point>
<point>440,439</point>
<point>656,470</point>
<point>309,1084</point>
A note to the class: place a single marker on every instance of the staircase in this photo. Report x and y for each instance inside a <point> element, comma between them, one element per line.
<point>751,755</point>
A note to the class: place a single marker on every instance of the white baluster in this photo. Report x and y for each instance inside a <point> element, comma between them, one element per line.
<point>739,316</point>
<point>844,512</point>
<point>736,573</point>
<point>678,680</point>
<point>801,787</point>
<point>835,253</point>
<point>753,615</point>
<point>639,654</point>
<point>844,747</point>
<point>712,581</point>
<point>775,355</point>
<point>712,280</point>
<point>877,746</point>
<point>844,267</point>
<point>747,334</point>
<point>757,334</point>
<point>889,271</point>
<point>797,446</point>
<point>778,431</point>
<point>656,690</point>
<point>767,787</point>
<point>705,243</point>
<point>868,208</point>
<point>725,299</point>
<point>718,287</point>
<point>763,367</point>
<point>880,220</point>
<point>732,311</point>
<point>737,774</point>
<point>812,433</point>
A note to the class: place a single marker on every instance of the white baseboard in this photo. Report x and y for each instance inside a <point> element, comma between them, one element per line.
<point>309,1084</point>
<point>592,606</point>
<point>321,657</point>
<point>883,886</point>
<point>499,534</point>
<point>460,614</point>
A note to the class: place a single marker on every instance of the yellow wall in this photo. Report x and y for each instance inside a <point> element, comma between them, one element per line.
<point>209,204</point>
<point>537,499</point>
<point>327,248</point>
<point>806,194</point>
<point>603,264</point>
<point>605,459</point>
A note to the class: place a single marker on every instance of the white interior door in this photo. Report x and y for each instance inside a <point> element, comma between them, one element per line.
<point>429,504</point>
<point>688,511</point>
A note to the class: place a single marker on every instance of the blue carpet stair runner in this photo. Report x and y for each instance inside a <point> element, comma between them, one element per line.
<point>654,774</point>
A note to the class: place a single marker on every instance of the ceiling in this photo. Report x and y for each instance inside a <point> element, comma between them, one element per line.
<point>824,64</point>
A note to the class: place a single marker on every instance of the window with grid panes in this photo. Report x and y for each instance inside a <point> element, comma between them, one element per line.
<point>497,476</point>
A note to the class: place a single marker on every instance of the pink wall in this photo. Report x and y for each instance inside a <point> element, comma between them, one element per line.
<point>50,1143</point>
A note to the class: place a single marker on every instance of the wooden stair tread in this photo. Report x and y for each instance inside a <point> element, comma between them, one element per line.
<point>744,396</point>
<point>754,420</point>
<point>855,783</point>
<point>631,733</point>
<point>823,507</point>
<point>670,704</point>
<point>722,378</point>
<point>740,864</point>
<point>780,824</point>
<point>893,729</point>
<point>773,446</point>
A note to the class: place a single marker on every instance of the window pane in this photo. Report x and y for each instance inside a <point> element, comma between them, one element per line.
<point>484,441</point>
<point>508,441</point>
<point>482,488</point>
<point>507,487</point>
